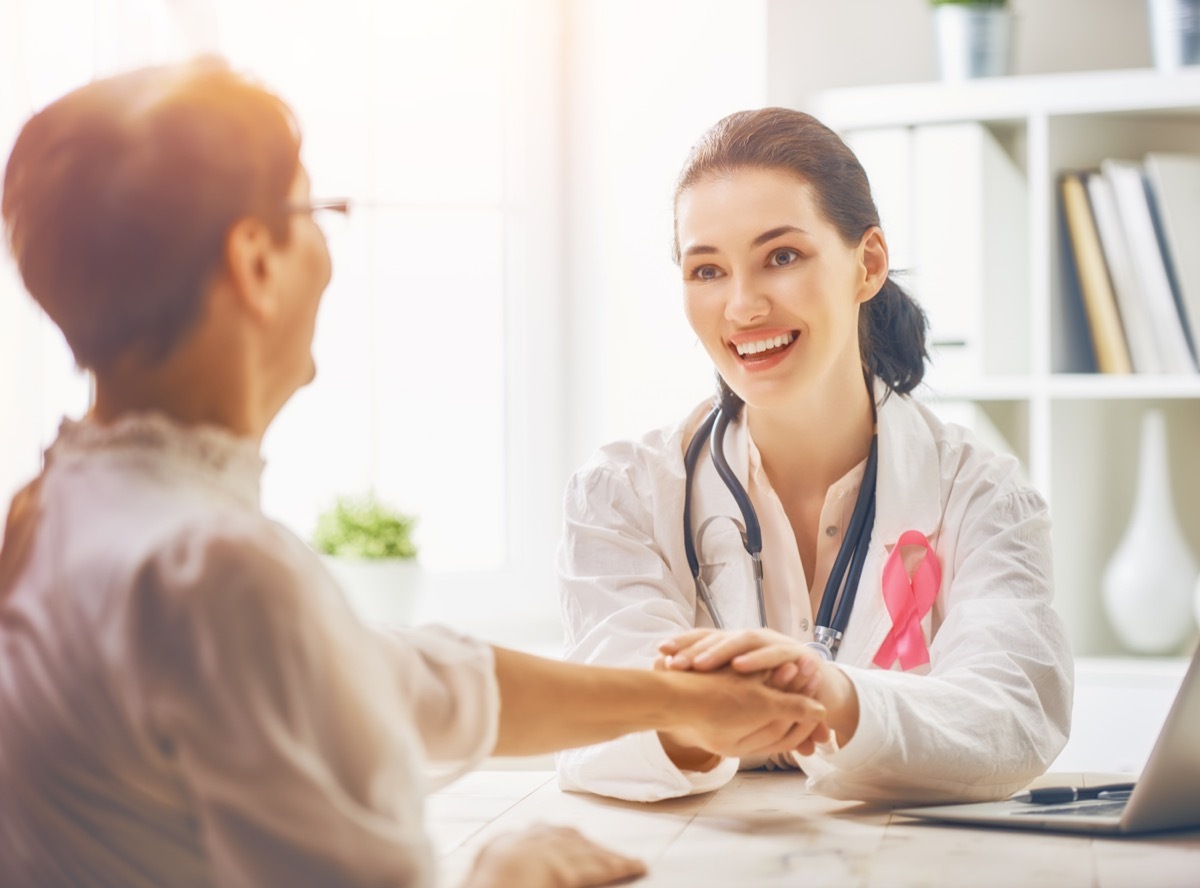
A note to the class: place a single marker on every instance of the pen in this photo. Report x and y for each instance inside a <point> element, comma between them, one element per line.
<point>1056,795</point>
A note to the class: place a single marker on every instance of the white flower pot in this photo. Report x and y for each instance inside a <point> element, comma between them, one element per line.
<point>1174,32</point>
<point>381,591</point>
<point>973,41</point>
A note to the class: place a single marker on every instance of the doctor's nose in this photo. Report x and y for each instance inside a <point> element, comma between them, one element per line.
<point>747,301</point>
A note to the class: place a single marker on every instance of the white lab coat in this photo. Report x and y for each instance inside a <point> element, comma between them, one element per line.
<point>988,713</point>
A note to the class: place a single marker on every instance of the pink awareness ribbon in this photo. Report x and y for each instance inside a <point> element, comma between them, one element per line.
<point>908,601</point>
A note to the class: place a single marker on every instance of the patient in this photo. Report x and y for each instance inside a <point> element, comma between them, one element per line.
<point>185,697</point>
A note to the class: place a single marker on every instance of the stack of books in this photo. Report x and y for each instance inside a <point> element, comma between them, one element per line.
<point>1133,240</point>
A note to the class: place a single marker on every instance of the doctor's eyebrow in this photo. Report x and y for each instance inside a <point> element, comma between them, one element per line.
<point>778,231</point>
<point>765,237</point>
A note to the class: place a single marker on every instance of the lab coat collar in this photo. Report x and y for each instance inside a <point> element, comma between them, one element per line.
<point>908,491</point>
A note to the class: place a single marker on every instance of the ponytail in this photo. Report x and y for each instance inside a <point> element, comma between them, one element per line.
<point>891,338</point>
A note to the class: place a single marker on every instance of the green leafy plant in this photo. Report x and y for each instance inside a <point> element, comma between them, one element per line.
<point>364,527</point>
<point>969,2</point>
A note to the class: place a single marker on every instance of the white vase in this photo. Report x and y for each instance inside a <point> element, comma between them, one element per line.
<point>382,591</point>
<point>1148,583</point>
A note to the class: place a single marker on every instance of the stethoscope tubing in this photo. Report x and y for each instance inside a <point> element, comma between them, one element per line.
<point>847,568</point>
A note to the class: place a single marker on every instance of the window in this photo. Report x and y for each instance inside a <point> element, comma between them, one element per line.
<point>437,342</point>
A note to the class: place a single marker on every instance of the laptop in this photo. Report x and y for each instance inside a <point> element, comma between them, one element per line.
<point>1166,795</point>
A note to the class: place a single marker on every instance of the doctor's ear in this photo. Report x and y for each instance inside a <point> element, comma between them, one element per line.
<point>250,259</point>
<point>873,257</point>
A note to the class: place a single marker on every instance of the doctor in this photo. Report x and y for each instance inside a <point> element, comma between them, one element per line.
<point>877,558</point>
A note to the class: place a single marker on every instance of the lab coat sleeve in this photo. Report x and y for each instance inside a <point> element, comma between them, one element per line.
<point>297,731</point>
<point>620,598</point>
<point>994,709</point>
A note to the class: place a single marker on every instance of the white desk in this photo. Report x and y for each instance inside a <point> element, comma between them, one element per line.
<point>765,829</point>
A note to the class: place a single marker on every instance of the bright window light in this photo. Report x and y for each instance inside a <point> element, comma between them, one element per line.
<point>419,113</point>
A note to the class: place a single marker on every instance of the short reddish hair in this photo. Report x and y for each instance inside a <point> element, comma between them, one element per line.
<point>118,198</point>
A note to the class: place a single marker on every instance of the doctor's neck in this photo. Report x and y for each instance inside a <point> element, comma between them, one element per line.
<point>816,442</point>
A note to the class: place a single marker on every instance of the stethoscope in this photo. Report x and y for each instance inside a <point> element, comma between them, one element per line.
<point>847,567</point>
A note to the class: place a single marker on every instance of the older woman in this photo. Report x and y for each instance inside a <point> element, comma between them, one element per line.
<point>185,697</point>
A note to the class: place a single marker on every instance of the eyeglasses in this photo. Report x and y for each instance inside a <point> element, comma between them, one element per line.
<point>331,214</point>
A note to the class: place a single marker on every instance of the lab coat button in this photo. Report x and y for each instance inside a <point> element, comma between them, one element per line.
<point>831,530</point>
<point>804,625</point>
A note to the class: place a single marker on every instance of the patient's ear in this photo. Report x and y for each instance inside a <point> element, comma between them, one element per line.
<point>251,259</point>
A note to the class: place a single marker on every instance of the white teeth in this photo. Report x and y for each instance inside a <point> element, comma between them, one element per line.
<point>762,345</point>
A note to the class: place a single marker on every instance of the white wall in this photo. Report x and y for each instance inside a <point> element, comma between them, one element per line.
<point>644,80</point>
<point>817,44</point>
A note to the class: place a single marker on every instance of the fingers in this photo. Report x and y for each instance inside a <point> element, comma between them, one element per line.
<point>683,640</point>
<point>778,651</point>
<point>558,856</point>
<point>821,735</point>
<point>714,649</point>
<point>782,676</point>
<point>767,739</point>
<point>801,677</point>
<point>686,655</point>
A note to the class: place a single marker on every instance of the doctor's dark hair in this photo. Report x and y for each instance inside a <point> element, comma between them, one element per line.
<point>891,326</point>
<point>118,198</point>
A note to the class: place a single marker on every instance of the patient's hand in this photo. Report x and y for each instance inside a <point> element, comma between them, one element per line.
<point>544,856</point>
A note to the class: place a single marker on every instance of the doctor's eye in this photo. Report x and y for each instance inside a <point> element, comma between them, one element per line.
<point>704,273</point>
<point>783,256</point>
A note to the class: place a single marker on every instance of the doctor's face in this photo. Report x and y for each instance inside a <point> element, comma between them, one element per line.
<point>770,287</point>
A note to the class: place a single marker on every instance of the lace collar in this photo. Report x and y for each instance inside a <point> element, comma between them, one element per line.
<point>227,462</point>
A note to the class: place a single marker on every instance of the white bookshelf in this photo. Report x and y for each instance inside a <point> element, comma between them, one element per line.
<point>1075,432</point>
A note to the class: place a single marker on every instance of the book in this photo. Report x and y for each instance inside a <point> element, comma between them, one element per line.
<point>1146,259</point>
<point>1135,316</point>
<point>1175,194</point>
<point>1099,300</point>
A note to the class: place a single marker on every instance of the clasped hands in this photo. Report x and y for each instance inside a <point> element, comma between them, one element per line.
<point>780,663</point>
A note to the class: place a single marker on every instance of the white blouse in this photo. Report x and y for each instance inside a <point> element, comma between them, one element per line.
<point>187,699</point>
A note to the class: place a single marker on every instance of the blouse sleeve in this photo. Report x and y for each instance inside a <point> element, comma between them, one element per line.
<point>296,731</point>
<point>619,600</point>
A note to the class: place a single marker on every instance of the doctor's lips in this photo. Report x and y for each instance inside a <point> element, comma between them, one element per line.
<point>760,345</point>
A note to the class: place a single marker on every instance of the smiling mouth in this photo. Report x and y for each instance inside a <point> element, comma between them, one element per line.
<point>765,348</point>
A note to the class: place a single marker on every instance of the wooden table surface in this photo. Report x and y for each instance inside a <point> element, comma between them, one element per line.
<point>765,828</point>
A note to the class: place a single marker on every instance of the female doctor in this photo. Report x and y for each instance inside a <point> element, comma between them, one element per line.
<point>877,558</point>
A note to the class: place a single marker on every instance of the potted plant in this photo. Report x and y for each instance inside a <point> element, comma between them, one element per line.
<point>368,547</point>
<point>974,38</point>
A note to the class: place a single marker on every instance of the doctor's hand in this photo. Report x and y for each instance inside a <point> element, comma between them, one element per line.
<point>792,664</point>
<point>544,856</point>
<point>727,713</point>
